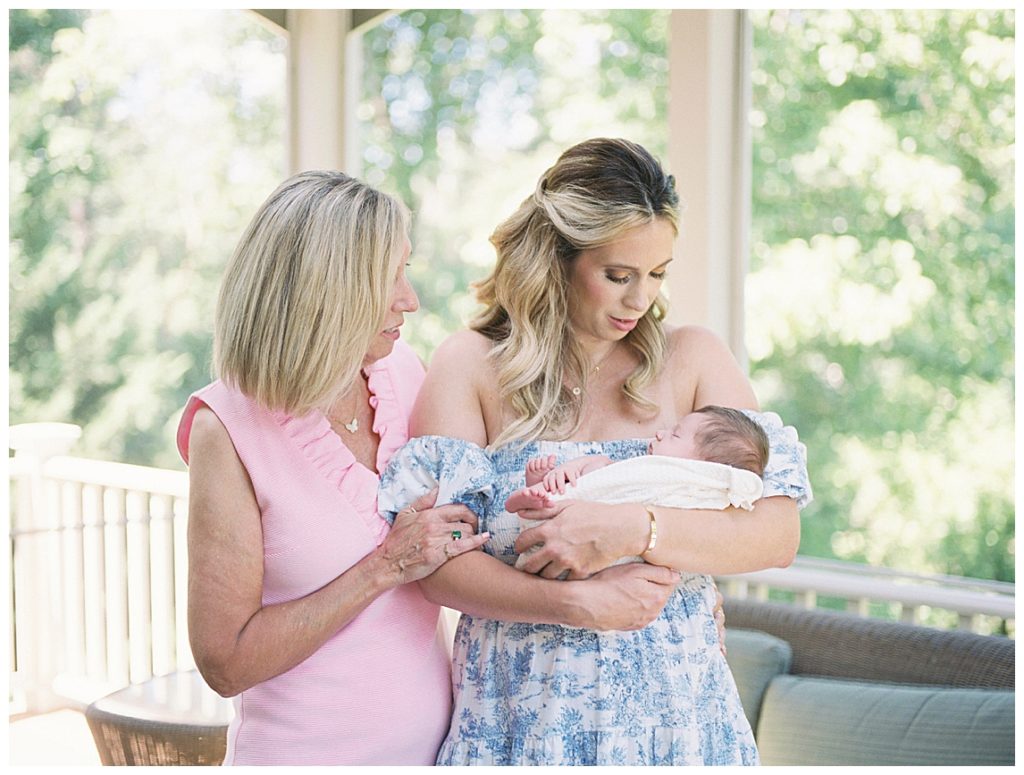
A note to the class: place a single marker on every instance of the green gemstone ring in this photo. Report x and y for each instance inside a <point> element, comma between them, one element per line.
<point>456,535</point>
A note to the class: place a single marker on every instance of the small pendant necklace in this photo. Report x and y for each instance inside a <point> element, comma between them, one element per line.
<point>353,425</point>
<point>576,391</point>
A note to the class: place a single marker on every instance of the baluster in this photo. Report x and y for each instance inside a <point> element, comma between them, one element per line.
<point>807,598</point>
<point>161,510</point>
<point>115,538</point>
<point>908,614</point>
<point>74,594</point>
<point>859,606</point>
<point>140,634</point>
<point>184,650</point>
<point>94,579</point>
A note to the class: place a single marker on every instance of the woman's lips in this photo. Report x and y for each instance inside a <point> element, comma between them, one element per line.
<point>623,324</point>
<point>392,333</point>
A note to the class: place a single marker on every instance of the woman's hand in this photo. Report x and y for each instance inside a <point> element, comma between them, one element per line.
<point>421,539</point>
<point>719,614</point>
<point>580,538</point>
<point>625,597</point>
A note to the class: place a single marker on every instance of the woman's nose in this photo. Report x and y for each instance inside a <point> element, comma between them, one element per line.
<point>638,299</point>
<point>406,299</point>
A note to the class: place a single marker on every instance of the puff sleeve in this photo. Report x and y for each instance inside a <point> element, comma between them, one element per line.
<point>462,472</point>
<point>786,472</point>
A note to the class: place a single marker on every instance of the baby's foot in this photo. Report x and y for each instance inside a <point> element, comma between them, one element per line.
<point>537,467</point>
<point>535,497</point>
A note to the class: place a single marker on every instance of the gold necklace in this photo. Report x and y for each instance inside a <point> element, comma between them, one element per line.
<point>576,391</point>
<point>351,426</point>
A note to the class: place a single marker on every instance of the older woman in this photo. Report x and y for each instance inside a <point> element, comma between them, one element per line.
<point>570,357</point>
<point>300,601</point>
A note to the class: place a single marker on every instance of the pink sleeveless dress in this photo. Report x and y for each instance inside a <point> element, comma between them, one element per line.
<point>379,691</point>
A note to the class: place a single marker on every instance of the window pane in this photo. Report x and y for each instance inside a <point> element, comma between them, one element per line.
<point>141,144</point>
<point>462,111</point>
<point>880,296</point>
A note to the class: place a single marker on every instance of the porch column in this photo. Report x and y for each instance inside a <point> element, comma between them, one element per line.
<point>709,154</point>
<point>322,88</point>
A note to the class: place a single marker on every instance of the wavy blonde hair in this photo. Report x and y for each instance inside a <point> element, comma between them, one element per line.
<point>307,288</point>
<point>596,191</point>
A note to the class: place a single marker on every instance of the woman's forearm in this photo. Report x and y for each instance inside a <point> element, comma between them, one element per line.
<point>278,637</point>
<point>727,541</point>
<point>481,585</point>
<point>626,597</point>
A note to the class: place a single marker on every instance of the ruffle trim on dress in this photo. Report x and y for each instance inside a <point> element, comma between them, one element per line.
<point>389,422</point>
<point>654,746</point>
<point>324,449</point>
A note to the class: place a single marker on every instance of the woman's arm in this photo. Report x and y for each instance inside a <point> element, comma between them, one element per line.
<point>591,535</point>
<point>238,642</point>
<point>456,400</point>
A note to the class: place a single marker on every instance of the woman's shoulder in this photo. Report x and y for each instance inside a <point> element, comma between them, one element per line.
<point>459,389</point>
<point>703,370</point>
<point>691,338</point>
<point>461,344</point>
<point>462,358</point>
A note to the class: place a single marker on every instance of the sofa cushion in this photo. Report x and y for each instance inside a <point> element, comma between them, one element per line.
<point>755,658</point>
<point>806,720</point>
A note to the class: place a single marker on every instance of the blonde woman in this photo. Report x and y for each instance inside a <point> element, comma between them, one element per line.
<point>570,357</point>
<point>300,601</point>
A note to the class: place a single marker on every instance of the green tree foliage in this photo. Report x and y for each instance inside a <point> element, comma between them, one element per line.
<point>879,302</point>
<point>141,143</point>
<point>462,110</point>
<point>880,298</point>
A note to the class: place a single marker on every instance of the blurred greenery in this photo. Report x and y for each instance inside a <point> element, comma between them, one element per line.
<point>881,288</point>
<point>463,110</point>
<point>135,163</point>
<point>881,285</point>
<point>879,301</point>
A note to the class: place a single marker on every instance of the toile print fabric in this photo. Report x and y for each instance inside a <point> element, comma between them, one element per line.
<point>552,695</point>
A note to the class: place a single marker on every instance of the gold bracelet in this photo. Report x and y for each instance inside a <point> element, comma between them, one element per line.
<point>653,540</point>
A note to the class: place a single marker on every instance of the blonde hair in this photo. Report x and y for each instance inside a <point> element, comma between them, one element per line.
<point>596,191</point>
<point>306,289</point>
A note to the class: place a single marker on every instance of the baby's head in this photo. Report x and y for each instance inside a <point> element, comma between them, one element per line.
<point>717,434</point>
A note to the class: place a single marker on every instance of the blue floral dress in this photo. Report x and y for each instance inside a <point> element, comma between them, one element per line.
<point>552,695</point>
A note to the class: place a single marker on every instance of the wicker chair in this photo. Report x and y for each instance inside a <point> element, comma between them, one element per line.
<point>169,720</point>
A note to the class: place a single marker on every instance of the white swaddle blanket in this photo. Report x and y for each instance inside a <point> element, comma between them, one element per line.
<point>657,480</point>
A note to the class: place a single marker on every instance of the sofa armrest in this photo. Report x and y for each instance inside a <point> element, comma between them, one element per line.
<point>755,658</point>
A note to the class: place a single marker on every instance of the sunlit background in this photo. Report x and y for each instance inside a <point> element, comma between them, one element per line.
<point>879,301</point>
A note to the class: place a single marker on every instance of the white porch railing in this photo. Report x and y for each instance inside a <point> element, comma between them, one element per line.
<point>978,605</point>
<point>98,577</point>
<point>98,572</point>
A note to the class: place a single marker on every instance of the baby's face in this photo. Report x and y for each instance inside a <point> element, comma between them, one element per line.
<point>679,441</point>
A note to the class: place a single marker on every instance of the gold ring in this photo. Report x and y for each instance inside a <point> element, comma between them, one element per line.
<point>446,552</point>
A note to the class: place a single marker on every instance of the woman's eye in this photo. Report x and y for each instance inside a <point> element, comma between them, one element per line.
<point>659,275</point>
<point>621,279</point>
